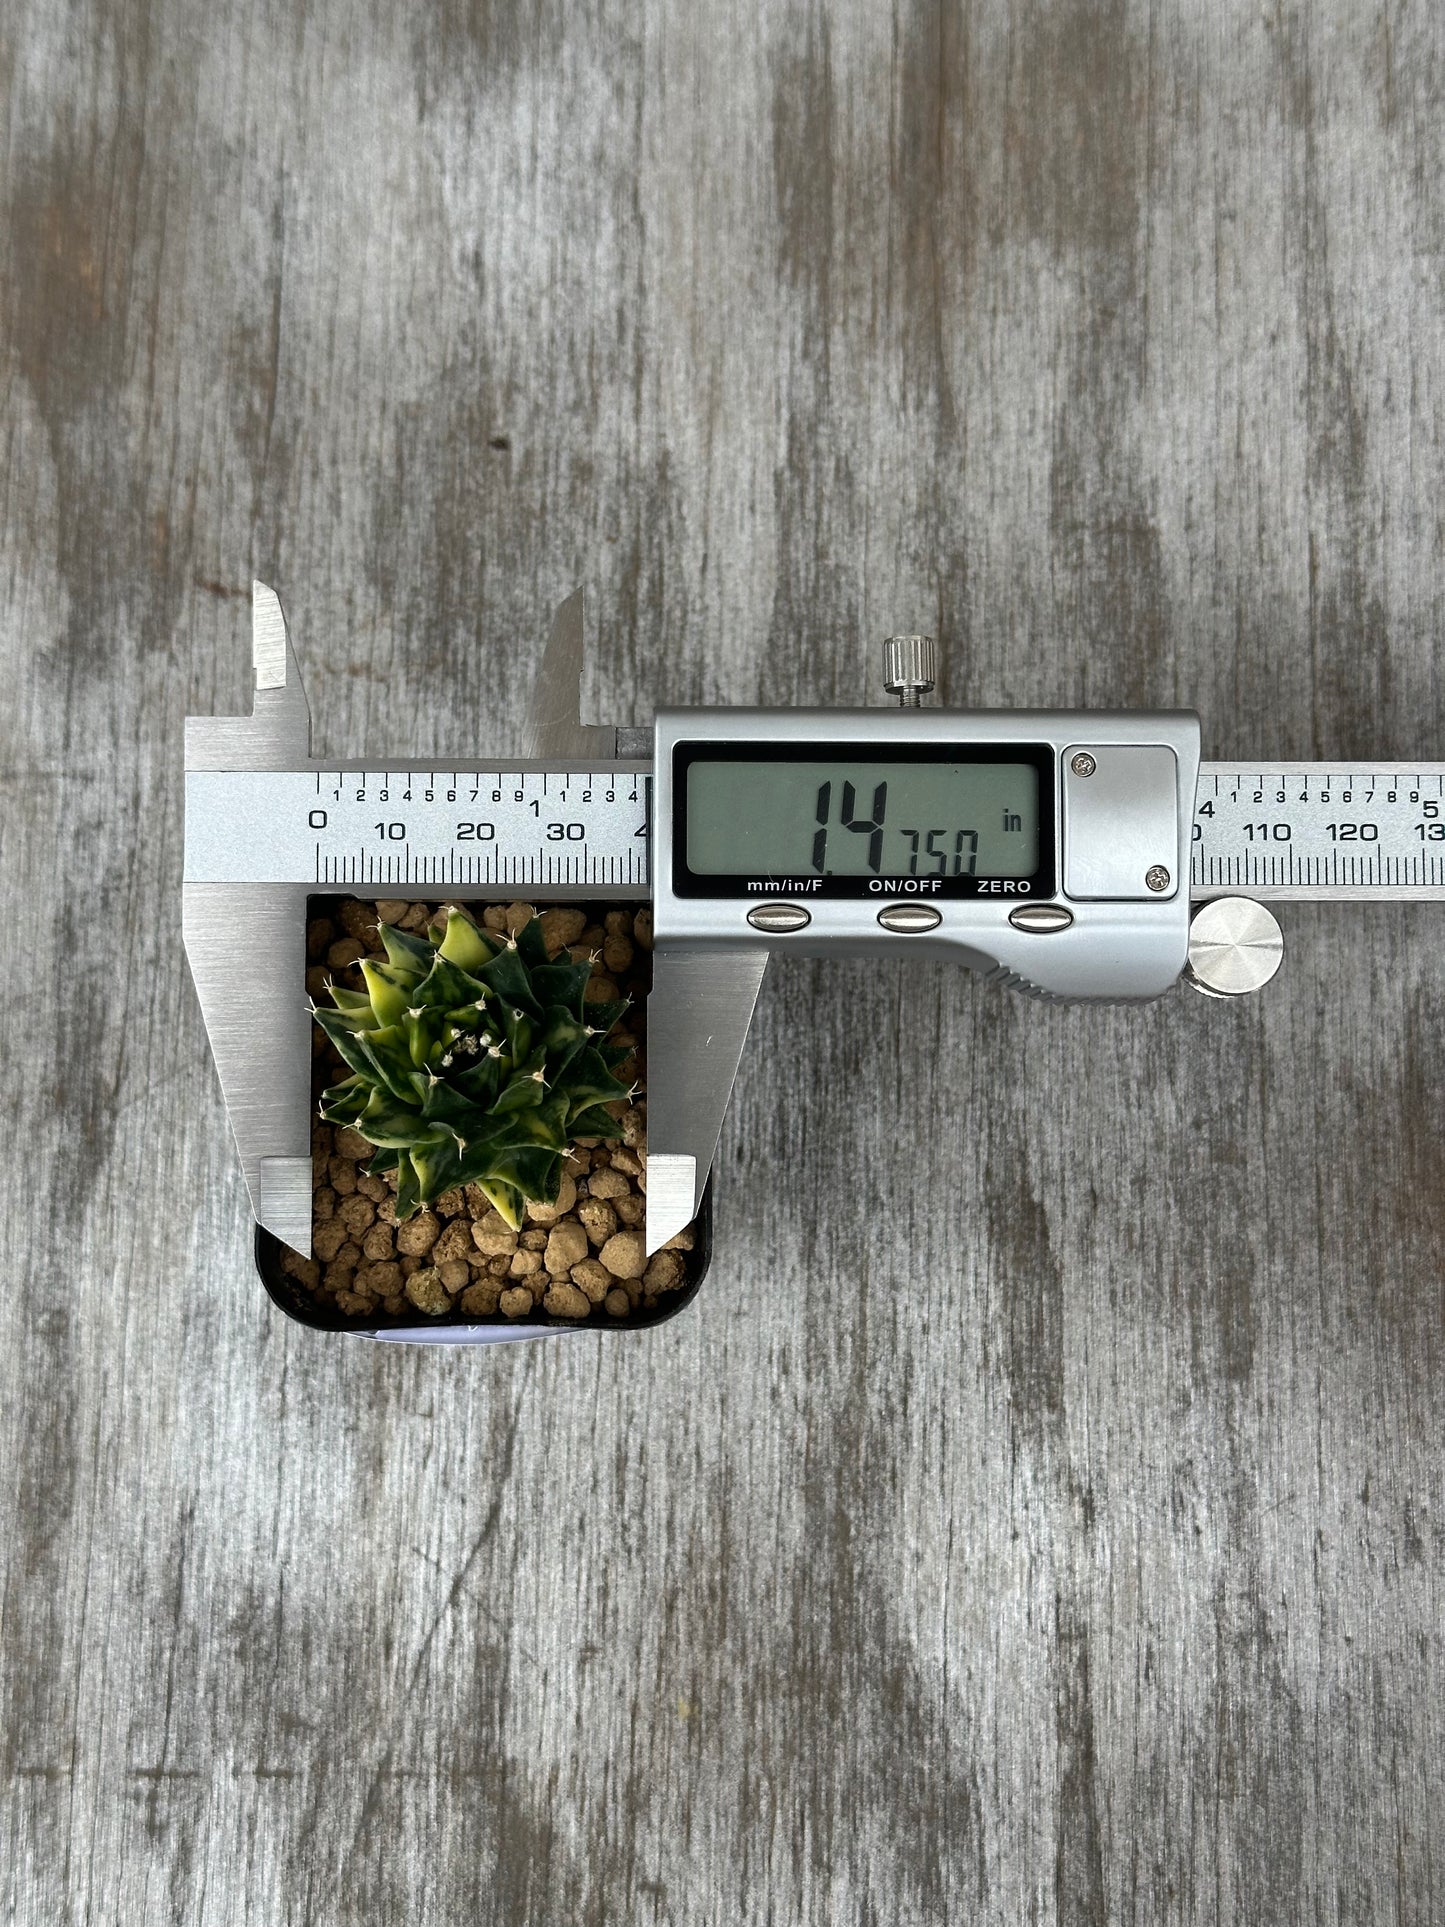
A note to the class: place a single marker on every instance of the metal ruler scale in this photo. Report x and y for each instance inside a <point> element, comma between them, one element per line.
<point>512,827</point>
<point>1095,833</point>
<point>1306,831</point>
<point>1302,831</point>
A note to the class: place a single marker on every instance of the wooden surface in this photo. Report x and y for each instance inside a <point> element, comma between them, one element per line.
<point>1040,1515</point>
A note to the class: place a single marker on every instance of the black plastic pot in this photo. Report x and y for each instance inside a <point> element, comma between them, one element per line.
<point>455,1329</point>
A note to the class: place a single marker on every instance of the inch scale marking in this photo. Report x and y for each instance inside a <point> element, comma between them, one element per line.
<point>1349,832</point>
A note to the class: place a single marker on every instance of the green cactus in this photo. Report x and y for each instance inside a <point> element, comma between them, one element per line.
<point>474,1060</point>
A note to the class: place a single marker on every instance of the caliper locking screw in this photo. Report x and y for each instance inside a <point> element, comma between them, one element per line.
<point>910,668</point>
<point>1083,764</point>
<point>1157,877</point>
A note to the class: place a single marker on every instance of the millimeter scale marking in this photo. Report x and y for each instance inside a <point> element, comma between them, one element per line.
<point>1305,831</point>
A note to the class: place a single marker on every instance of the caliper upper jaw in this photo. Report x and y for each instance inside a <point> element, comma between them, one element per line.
<point>698,1015</point>
<point>554,730</point>
<point>277,733</point>
<point>246,943</point>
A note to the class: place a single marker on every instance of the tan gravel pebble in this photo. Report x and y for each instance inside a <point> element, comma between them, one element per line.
<point>342,1172</point>
<point>351,1144</point>
<point>494,1235</point>
<point>383,1277</point>
<point>327,1238</point>
<point>593,1277</point>
<point>524,1263</point>
<point>566,1247</point>
<point>454,1275</point>
<point>356,1304</point>
<point>427,1292</point>
<point>516,1303</point>
<point>345,952</point>
<point>377,1244</point>
<point>417,1236</point>
<point>454,1243</point>
<point>608,1184</point>
<point>565,1301</point>
<point>392,909</point>
<point>665,1271</point>
<point>358,920</point>
<point>356,1213</point>
<point>534,1239</point>
<point>370,1187</point>
<point>323,1202</point>
<point>480,1300</point>
<point>631,1210</point>
<point>628,1162</point>
<point>451,1203</point>
<point>617,954</point>
<point>561,927</point>
<point>617,1303</point>
<point>642,928</point>
<point>624,1255</point>
<point>598,1219</point>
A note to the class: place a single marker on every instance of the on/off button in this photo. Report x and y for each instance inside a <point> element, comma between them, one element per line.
<point>909,919</point>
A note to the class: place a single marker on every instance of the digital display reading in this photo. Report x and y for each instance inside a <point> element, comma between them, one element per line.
<point>757,818</point>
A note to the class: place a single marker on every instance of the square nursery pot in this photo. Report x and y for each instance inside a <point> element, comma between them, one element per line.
<point>456,1329</point>
<point>297,1301</point>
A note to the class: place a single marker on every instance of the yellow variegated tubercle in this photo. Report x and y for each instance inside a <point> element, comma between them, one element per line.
<point>473,1060</point>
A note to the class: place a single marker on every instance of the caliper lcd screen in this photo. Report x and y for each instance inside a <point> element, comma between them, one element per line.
<point>835,821</point>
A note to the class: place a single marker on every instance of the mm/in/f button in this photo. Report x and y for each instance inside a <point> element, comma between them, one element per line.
<point>777,919</point>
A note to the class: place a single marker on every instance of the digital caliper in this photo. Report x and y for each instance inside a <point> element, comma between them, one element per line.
<point>1081,855</point>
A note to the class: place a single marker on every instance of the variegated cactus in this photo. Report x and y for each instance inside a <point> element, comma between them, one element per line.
<point>474,1060</point>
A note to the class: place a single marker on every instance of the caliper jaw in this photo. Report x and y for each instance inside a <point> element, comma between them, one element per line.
<point>698,1015</point>
<point>261,1040</point>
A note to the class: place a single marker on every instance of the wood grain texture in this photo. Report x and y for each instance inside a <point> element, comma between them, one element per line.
<point>1039,1517</point>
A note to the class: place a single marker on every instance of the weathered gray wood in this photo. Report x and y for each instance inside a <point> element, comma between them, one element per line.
<point>1040,1515</point>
